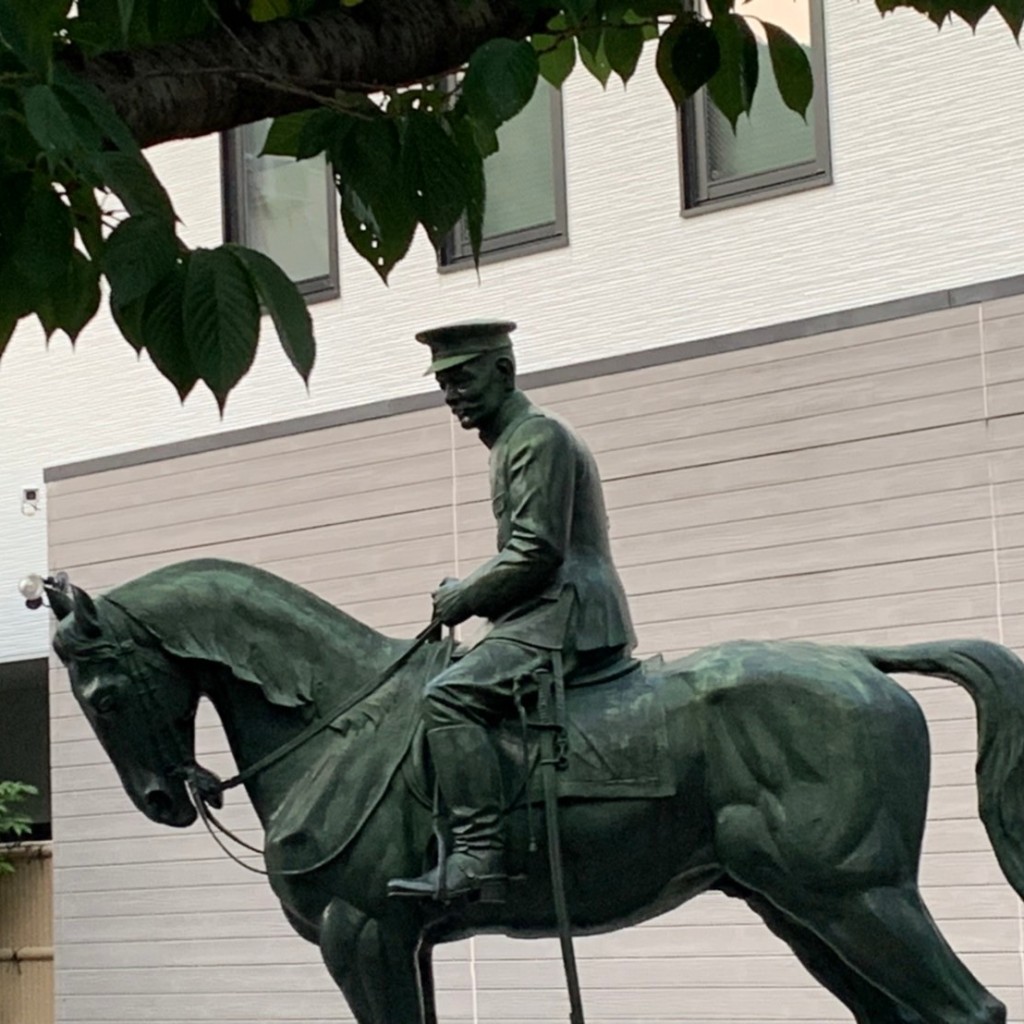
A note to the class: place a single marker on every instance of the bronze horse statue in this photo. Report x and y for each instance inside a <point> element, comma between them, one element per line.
<point>799,781</point>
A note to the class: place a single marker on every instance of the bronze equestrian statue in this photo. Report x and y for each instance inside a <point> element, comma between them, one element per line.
<point>792,776</point>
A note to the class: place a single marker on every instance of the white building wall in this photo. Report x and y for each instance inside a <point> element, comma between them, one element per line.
<point>926,196</point>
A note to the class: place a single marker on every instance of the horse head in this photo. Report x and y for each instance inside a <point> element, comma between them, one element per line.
<point>137,700</point>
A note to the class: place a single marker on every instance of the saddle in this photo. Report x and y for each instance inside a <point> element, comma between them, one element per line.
<point>615,743</point>
<point>611,739</point>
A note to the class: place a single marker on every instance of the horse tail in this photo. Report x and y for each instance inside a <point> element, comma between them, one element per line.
<point>994,677</point>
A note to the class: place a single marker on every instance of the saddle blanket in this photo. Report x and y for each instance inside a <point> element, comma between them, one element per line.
<point>618,743</point>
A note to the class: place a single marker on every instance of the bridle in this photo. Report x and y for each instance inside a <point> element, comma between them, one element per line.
<point>204,787</point>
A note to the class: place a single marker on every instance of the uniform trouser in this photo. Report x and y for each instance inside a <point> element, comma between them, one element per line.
<point>480,686</point>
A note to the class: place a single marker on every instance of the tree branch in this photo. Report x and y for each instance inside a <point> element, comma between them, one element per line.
<point>216,82</point>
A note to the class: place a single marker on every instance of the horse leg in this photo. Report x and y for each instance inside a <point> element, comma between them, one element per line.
<point>887,935</point>
<point>868,1004</point>
<point>374,963</point>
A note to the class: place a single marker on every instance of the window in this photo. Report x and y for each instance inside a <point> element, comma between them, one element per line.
<point>282,207</point>
<point>773,150</point>
<point>25,737</point>
<point>525,181</point>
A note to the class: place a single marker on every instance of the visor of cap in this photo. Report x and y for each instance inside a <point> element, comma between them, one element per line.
<point>447,362</point>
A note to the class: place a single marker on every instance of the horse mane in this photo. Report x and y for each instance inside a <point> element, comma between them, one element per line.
<point>292,644</point>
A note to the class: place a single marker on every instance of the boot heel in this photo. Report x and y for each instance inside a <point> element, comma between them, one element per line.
<point>493,889</point>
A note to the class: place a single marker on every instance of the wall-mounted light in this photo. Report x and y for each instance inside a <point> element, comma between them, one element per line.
<point>31,497</point>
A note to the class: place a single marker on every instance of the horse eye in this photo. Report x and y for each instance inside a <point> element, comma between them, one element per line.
<point>106,703</point>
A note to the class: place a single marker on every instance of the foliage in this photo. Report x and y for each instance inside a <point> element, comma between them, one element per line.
<point>12,821</point>
<point>80,204</point>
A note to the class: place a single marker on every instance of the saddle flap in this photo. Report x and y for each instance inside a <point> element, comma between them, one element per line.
<point>618,743</point>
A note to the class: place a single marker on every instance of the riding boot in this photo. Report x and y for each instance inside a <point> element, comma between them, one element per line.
<point>470,783</point>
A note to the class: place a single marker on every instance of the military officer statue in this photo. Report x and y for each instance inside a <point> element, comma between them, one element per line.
<point>551,592</point>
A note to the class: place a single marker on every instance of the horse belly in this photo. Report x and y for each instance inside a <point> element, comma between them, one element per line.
<point>624,861</point>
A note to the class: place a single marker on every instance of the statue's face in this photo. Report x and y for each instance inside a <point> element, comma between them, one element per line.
<point>475,391</point>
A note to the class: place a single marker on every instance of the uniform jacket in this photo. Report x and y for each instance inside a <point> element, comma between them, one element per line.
<point>552,583</point>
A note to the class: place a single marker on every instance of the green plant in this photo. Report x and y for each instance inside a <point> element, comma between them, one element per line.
<point>13,821</point>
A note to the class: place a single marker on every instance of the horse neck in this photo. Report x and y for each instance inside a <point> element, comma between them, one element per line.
<point>256,728</point>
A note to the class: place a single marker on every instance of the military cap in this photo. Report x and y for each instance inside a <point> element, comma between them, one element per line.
<point>459,343</point>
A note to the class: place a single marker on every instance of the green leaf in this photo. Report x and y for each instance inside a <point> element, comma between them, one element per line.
<point>623,45</point>
<point>556,57</point>
<point>579,11</point>
<point>70,307</point>
<point>376,209</point>
<point>49,122</point>
<point>323,131</point>
<point>367,158</point>
<point>1012,12</point>
<point>688,56</point>
<point>434,176</point>
<point>732,87</point>
<point>476,186</point>
<point>170,22</point>
<point>7,325</point>
<point>499,80</point>
<point>100,109</point>
<point>27,29</point>
<point>222,319</point>
<point>132,180</point>
<point>286,306</point>
<point>485,138</point>
<point>792,69</point>
<point>269,10</point>
<point>285,132</point>
<point>648,9</point>
<point>139,252</point>
<point>128,317</point>
<point>127,9</point>
<point>381,236</point>
<point>311,132</point>
<point>44,247</point>
<point>87,218</point>
<point>593,55</point>
<point>163,327</point>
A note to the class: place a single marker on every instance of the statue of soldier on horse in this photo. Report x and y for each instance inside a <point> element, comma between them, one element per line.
<point>789,775</point>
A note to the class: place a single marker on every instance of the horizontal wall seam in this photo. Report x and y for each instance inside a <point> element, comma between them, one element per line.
<point>824,323</point>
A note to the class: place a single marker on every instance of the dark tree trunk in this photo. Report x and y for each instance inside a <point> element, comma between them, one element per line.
<point>213,83</point>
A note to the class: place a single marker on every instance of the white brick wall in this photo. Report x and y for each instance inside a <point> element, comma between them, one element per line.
<point>927,181</point>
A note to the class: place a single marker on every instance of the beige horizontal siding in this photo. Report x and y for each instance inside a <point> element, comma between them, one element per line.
<point>864,486</point>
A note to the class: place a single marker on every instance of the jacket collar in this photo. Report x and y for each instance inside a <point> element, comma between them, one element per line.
<point>516,408</point>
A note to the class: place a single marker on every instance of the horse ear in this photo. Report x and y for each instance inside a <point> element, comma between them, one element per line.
<point>86,617</point>
<point>58,590</point>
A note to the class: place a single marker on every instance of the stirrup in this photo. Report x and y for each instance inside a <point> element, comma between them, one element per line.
<point>491,888</point>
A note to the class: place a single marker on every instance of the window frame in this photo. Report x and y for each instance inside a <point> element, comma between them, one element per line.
<point>235,223</point>
<point>700,195</point>
<point>31,676</point>
<point>457,252</point>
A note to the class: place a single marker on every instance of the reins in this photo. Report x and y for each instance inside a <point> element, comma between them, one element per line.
<point>318,726</point>
<point>205,788</point>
